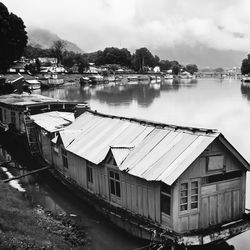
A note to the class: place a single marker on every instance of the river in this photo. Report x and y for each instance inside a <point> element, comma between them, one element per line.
<point>209,103</point>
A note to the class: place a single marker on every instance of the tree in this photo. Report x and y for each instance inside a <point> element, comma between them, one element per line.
<point>165,65</point>
<point>57,49</point>
<point>142,59</point>
<point>191,68</point>
<point>219,70</point>
<point>175,69</point>
<point>38,65</point>
<point>13,38</point>
<point>245,66</point>
<point>35,52</point>
<point>113,55</point>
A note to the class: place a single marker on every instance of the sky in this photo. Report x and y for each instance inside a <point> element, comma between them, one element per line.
<point>96,24</point>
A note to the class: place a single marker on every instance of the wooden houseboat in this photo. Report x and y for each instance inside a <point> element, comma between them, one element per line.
<point>172,183</point>
<point>15,111</point>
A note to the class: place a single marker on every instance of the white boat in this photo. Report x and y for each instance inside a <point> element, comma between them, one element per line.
<point>168,77</point>
<point>132,78</point>
<point>245,78</point>
<point>33,84</point>
<point>51,80</point>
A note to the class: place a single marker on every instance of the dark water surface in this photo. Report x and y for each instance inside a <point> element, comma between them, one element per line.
<point>210,103</point>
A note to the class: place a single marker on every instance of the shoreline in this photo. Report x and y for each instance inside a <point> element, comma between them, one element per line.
<point>25,225</point>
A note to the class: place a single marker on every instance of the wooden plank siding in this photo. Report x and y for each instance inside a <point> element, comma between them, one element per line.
<point>137,195</point>
<point>19,117</point>
<point>219,201</point>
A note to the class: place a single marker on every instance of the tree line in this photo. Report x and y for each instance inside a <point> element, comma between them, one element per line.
<point>13,45</point>
<point>140,61</point>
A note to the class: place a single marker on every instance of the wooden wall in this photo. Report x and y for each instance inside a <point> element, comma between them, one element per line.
<point>221,201</point>
<point>19,117</point>
<point>137,195</point>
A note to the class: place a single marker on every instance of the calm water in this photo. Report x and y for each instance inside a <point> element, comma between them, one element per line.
<point>210,103</point>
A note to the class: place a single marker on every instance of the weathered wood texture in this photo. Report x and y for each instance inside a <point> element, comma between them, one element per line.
<point>220,201</point>
<point>19,118</point>
<point>137,195</point>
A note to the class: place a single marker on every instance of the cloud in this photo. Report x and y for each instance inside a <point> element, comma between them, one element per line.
<point>93,25</point>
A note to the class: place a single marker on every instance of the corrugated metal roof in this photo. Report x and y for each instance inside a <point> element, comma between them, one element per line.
<point>53,121</point>
<point>157,152</point>
<point>27,99</point>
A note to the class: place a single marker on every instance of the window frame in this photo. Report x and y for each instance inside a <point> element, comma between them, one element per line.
<point>64,158</point>
<point>5,115</point>
<point>13,117</point>
<point>115,182</point>
<point>1,115</point>
<point>189,197</point>
<point>89,170</point>
<point>168,194</point>
<point>218,169</point>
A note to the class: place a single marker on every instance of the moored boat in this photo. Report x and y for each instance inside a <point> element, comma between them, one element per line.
<point>51,80</point>
<point>154,180</point>
<point>32,84</point>
<point>245,78</point>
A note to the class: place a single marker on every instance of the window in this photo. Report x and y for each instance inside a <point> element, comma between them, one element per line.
<point>13,117</point>
<point>165,199</point>
<point>89,174</point>
<point>114,182</point>
<point>189,196</point>
<point>215,162</point>
<point>64,158</point>
<point>5,115</point>
<point>55,148</point>
<point>194,194</point>
<point>184,197</point>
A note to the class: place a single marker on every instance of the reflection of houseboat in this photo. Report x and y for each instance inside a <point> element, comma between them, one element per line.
<point>50,80</point>
<point>179,184</point>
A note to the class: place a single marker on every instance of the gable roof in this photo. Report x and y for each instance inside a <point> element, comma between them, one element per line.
<point>156,151</point>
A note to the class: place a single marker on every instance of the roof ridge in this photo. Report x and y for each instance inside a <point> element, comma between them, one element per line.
<point>157,124</point>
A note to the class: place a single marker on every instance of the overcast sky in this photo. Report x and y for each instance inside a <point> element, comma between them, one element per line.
<point>96,24</point>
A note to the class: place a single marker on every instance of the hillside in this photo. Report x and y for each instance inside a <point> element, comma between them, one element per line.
<point>44,39</point>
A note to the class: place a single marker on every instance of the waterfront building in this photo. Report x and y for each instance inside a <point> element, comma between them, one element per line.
<point>185,184</point>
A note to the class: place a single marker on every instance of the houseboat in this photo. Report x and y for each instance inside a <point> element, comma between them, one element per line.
<point>32,84</point>
<point>50,80</point>
<point>156,181</point>
<point>93,79</point>
<point>15,111</point>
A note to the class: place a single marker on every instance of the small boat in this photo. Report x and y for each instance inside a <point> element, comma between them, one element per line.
<point>97,79</point>
<point>168,77</point>
<point>32,84</point>
<point>132,78</point>
<point>84,80</point>
<point>51,80</point>
<point>245,78</point>
<point>142,78</point>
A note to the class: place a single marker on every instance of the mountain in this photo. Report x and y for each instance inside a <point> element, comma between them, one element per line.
<point>44,39</point>
<point>202,55</point>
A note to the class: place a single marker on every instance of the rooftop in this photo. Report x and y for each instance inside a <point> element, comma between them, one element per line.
<point>53,121</point>
<point>26,99</point>
<point>149,150</point>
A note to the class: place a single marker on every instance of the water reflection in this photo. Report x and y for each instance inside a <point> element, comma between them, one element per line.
<point>245,90</point>
<point>120,93</point>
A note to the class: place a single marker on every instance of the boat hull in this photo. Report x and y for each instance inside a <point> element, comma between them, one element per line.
<point>146,229</point>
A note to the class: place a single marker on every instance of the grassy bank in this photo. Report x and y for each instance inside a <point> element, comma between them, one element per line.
<point>26,227</point>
